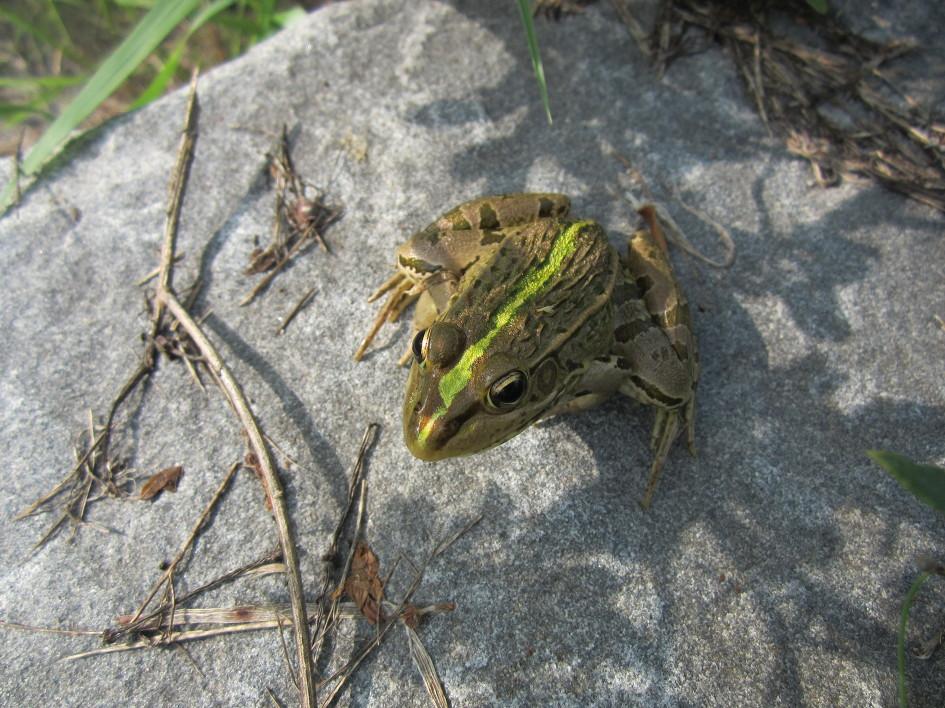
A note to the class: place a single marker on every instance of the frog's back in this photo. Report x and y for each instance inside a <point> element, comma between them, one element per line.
<point>546,279</point>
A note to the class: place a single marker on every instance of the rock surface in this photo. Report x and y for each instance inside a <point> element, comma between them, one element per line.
<point>771,568</point>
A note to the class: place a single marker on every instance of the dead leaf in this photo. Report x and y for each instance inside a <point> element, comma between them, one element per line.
<point>364,585</point>
<point>158,482</point>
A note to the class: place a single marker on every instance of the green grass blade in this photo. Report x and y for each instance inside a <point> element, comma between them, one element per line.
<point>903,625</point>
<point>526,14</point>
<point>160,82</point>
<point>926,482</point>
<point>153,28</point>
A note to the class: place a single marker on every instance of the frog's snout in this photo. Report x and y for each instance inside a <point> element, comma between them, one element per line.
<point>427,436</point>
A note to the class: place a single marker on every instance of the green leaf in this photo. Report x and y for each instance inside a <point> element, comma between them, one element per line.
<point>159,83</point>
<point>287,17</point>
<point>818,6</point>
<point>150,31</point>
<point>926,482</point>
<point>526,14</point>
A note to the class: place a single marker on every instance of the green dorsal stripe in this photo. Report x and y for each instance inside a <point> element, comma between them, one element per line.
<point>527,287</point>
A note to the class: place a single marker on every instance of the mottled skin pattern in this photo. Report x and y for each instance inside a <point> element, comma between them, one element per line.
<point>524,314</point>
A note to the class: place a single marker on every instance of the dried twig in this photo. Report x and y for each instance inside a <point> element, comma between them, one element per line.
<point>303,301</point>
<point>4,624</point>
<point>298,221</point>
<point>273,486</point>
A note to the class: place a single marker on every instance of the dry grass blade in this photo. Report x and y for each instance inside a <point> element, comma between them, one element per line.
<point>421,657</point>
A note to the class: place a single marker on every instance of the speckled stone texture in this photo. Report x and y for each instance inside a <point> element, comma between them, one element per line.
<point>771,568</point>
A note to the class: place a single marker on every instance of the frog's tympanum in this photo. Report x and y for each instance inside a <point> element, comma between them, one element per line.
<point>523,313</point>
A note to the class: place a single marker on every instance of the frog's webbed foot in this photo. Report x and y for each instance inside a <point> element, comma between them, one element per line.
<point>665,431</point>
<point>403,292</point>
<point>437,287</point>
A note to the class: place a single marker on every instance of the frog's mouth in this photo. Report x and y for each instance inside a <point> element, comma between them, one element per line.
<point>433,437</point>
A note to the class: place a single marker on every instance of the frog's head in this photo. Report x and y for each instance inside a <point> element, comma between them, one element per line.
<point>511,341</point>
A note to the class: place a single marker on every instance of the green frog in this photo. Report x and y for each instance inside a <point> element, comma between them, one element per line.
<point>524,313</point>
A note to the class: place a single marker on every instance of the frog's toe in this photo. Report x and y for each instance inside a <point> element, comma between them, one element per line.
<point>655,471</point>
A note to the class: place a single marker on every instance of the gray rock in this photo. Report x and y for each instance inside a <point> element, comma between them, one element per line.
<point>771,568</point>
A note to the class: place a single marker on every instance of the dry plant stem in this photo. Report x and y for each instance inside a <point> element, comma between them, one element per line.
<point>303,301</point>
<point>370,435</point>
<point>285,653</point>
<point>185,636</point>
<point>273,621</point>
<point>146,365</point>
<point>326,620</point>
<point>273,485</point>
<point>272,698</point>
<point>276,269</point>
<point>185,153</point>
<point>640,36</point>
<point>424,662</point>
<point>167,575</point>
<point>157,271</point>
<point>166,298</point>
<point>250,614</point>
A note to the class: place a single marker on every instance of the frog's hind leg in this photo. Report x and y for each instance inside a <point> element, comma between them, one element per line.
<point>666,429</point>
<point>655,348</point>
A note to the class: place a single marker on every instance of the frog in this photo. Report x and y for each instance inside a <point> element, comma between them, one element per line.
<point>524,313</point>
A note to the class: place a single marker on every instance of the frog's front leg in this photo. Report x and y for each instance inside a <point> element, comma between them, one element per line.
<point>433,259</point>
<point>655,347</point>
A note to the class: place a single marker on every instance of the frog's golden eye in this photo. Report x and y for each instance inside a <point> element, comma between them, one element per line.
<point>417,346</point>
<point>508,391</point>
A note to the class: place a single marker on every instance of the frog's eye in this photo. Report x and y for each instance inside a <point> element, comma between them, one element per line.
<point>417,346</point>
<point>507,391</point>
<point>440,345</point>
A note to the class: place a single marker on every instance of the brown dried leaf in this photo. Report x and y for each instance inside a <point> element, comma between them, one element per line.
<point>158,482</point>
<point>364,585</point>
